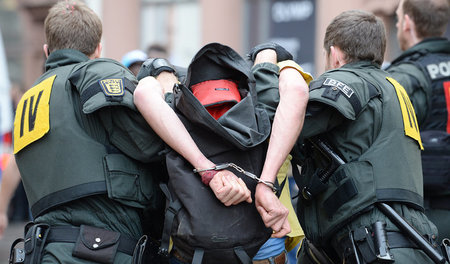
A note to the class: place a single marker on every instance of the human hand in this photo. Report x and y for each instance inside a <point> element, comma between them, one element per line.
<point>3,223</point>
<point>229,188</point>
<point>282,53</point>
<point>273,212</point>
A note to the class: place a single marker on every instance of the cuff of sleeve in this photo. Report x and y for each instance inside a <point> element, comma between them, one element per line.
<point>267,66</point>
<point>292,64</point>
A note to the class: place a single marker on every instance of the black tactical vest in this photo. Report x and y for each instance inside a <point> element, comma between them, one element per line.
<point>436,128</point>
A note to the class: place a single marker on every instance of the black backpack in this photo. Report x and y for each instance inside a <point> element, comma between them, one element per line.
<point>201,227</point>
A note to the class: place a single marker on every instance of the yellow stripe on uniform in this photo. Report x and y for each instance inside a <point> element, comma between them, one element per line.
<point>409,115</point>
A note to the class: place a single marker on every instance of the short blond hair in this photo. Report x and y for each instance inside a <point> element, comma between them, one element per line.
<point>71,24</point>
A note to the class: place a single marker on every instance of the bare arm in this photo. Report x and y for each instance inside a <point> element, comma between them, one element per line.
<point>288,120</point>
<point>10,180</point>
<point>148,97</point>
<point>287,124</point>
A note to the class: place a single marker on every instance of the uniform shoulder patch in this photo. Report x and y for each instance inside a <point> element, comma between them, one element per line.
<point>344,88</point>
<point>333,89</point>
<point>112,87</point>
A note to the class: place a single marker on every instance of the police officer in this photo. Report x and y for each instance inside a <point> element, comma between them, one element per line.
<point>365,117</point>
<point>424,70</point>
<point>88,160</point>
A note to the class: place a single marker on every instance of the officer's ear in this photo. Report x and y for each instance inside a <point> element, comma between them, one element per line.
<point>336,57</point>
<point>408,23</point>
<point>46,52</point>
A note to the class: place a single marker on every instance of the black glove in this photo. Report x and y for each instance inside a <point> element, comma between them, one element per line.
<point>282,54</point>
<point>153,67</point>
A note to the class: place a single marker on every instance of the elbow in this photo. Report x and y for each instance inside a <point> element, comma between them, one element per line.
<point>145,90</point>
<point>303,91</point>
<point>295,92</point>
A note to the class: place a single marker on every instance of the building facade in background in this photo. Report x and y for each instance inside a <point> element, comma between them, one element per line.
<point>184,26</point>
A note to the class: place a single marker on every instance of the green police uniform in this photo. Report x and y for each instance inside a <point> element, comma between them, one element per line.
<point>365,117</point>
<point>424,71</point>
<point>85,156</point>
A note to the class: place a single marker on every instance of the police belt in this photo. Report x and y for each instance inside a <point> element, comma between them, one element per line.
<point>394,239</point>
<point>69,234</point>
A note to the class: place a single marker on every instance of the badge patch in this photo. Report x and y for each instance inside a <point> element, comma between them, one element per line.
<point>112,87</point>
<point>340,85</point>
<point>32,120</point>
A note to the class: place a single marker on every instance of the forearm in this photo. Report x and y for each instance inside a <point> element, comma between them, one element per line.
<point>10,180</point>
<point>289,115</point>
<point>288,121</point>
<point>149,99</point>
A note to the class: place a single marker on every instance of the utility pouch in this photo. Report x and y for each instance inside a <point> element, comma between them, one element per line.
<point>435,161</point>
<point>146,251</point>
<point>16,255</point>
<point>364,244</point>
<point>96,244</point>
<point>315,255</point>
<point>139,250</point>
<point>34,242</point>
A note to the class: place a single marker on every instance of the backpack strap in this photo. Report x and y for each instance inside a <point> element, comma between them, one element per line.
<point>239,251</point>
<point>198,256</point>
<point>172,210</point>
<point>242,255</point>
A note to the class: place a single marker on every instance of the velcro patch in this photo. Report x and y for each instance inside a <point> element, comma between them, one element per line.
<point>345,89</point>
<point>112,87</point>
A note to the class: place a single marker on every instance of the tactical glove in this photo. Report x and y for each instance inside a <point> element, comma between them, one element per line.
<point>282,53</point>
<point>153,67</point>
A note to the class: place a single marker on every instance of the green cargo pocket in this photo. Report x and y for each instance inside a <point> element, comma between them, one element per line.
<point>127,181</point>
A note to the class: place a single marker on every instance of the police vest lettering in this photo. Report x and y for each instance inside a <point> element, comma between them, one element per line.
<point>340,85</point>
<point>440,70</point>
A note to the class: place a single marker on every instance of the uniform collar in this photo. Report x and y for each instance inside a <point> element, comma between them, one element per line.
<point>64,57</point>
<point>433,45</point>
<point>361,64</point>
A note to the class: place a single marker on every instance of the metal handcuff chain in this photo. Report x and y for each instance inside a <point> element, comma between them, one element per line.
<point>241,170</point>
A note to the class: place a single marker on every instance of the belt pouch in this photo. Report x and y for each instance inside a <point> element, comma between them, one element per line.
<point>96,244</point>
<point>34,243</point>
<point>365,245</point>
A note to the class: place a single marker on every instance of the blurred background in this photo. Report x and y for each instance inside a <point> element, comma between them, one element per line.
<point>175,29</point>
